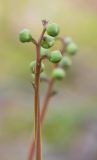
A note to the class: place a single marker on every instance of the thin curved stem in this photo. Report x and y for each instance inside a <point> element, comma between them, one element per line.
<point>41,37</point>
<point>34,41</point>
<point>63,44</point>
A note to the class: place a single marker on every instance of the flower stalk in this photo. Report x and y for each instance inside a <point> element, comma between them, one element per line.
<point>42,116</point>
<point>46,101</point>
<point>61,63</point>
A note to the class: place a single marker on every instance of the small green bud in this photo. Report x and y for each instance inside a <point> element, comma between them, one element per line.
<point>55,56</point>
<point>47,42</point>
<point>53,29</point>
<point>58,73</point>
<point>43,76</point>
<point>65,62</point>
<point>33,76</point>
<point>33,66</point>
<point>71,49</point>
<point>68,40</point>
<point>25,36</point>
<point>44,51</point>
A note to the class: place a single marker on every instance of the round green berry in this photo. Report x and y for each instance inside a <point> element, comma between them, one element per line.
<point>58,73</point>
<point>55,56</point>
<point>33,76</point>
<point>25,36</point>
<point>33,66</point>
<point>44,51</point>
<point>65,62</point>
<point>43,76</point>
<point>68,40</point>
<point>71,49</point>
<point>47,42</point>
<point>53,29</point>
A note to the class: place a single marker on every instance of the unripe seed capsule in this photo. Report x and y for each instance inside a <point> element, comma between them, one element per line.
<point>47,42</point>
<point>71,49</point>
<point>58,73</point>
<point>33,76</point>
<point>53,29</point>
<point>33,66</point>
<point>44,51</point>
<point>43,76</point>
<point>25,36</point>
<point>65,62</point>
<point>55,56</point>
<point>68,40</point>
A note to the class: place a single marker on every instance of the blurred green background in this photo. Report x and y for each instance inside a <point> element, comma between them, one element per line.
<point>74,110</point>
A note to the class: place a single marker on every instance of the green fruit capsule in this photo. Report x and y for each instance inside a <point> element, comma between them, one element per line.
<point>44,52</point>
<point>25,36</point>
<point>55,56</point>
<point>43,76</point>
<point>68,40</point>
<point>33,66</point>
<point>58,73</point>
<point>47,42</point>
<point>71,49</point>
<point>53,29</point>
<point>65,62</point>
<point>33,76</point>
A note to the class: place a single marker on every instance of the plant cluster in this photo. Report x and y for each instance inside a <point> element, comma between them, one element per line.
<point>62,60</point>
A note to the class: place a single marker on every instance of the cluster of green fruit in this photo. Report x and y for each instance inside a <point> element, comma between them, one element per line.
<point>64,62</point>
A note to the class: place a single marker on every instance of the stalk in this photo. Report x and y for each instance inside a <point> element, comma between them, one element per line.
<point>37,106</point>
<point>42,115</point>
<point>46,101</point>
<point>37,141</point>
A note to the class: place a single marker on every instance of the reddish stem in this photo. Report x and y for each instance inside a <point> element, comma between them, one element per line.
<point>37,141</point>
<point>47,97</point>
<point>43,111</point>
<point>37,106</point>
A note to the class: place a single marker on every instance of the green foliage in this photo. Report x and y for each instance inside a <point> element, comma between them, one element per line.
<point>25,36</point>
<point>53,29</point>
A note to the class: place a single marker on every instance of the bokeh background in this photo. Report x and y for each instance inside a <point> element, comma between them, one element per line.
<point>70,127</point>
